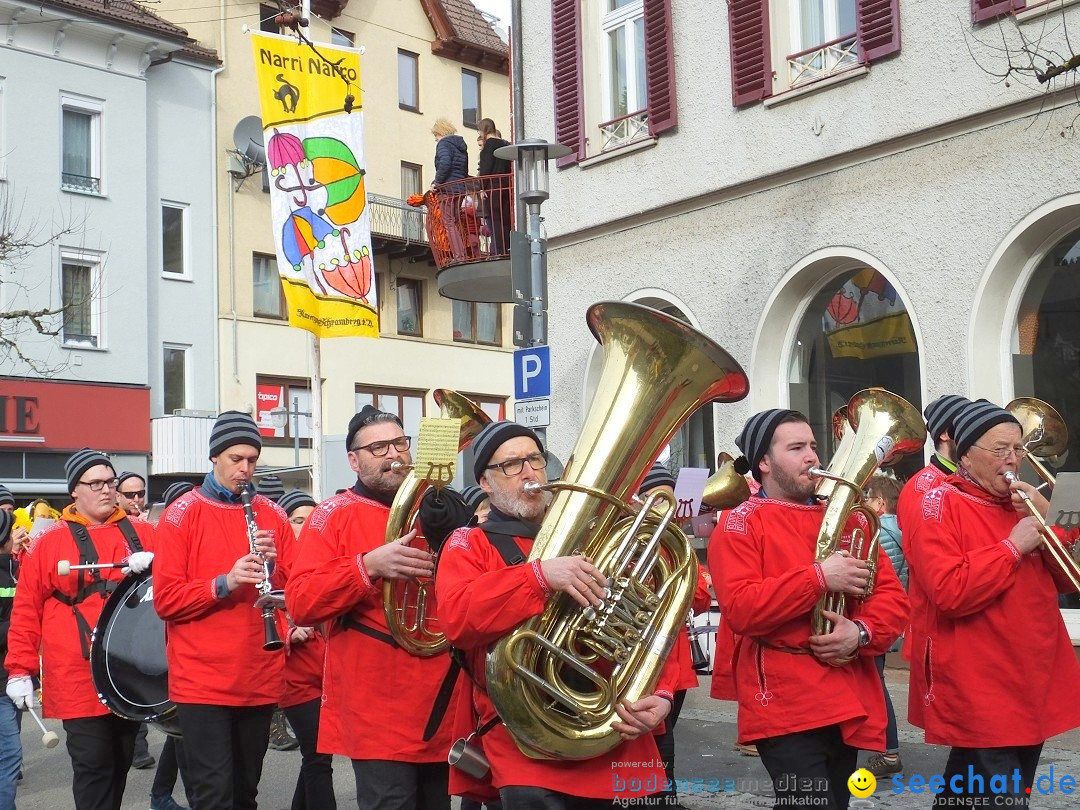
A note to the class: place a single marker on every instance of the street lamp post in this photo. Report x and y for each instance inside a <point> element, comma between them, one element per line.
<point>279,418</point>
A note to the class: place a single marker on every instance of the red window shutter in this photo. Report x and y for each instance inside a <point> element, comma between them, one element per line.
<point>660,66</point>
<point>878,28</point>
<point>988,9</point>
<point>566,69</point>
<point>751,67</point>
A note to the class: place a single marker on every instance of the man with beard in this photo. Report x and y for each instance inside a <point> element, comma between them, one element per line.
<point>223,682</point>
<point>378,699</point>
<point>991,612</point>
<point>485,589</point>
<point>808,702</point>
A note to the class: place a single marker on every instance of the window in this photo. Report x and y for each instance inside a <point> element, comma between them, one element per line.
<point>80,294</point>
<point>269,297</point>
<point>470,98</point>
<point>292,395</point>
<point>614,75</point>
<point>81,153</point>
<point>173,259</point>
<point>343,39</point>
<point>412,182</point>
<point>989,9</point>
<point>408,81</point>
<point>779,45</point>
<point>856,334</point>
<point>409,314</point>
<point>174,377</point>
<point>477,323</point>
<point>267,13</point>
<point>407,404</point>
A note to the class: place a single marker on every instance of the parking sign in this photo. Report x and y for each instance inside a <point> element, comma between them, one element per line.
<point>532,373</point>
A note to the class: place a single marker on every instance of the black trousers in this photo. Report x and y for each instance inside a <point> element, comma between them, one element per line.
<point>809,768</point>
<point>520,797</point>
<point>385,785</point>
<point>101,750</point>
<point>665,744</point>
<point>975,769</point>
<point>315,784</point>
<point>170,762</point>
<point>224,748</point>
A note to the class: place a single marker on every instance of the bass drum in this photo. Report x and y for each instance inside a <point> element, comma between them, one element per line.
<point>127,656</point>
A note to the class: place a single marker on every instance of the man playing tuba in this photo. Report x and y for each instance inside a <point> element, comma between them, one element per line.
<point>485,589</point>
<point>809,702</point>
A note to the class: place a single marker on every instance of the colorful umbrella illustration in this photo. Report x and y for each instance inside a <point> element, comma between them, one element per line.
<point>351,275</point>
<point>334,166</point>
<point>305,231</point>
<point>286,150</point>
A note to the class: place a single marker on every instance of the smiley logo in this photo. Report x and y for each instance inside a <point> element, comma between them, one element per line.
<point>862,783</point>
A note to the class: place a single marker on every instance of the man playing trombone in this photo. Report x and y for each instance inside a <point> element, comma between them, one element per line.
<point>993,673</point>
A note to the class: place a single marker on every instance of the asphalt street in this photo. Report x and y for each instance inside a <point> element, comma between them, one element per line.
<point>716,775</point>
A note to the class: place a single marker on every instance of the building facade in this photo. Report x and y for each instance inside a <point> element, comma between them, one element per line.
<point>106,167</point>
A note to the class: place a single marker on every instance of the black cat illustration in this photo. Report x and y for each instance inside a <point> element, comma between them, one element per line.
<point>287,94</point>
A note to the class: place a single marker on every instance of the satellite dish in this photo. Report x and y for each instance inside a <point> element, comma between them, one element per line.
<point>248,137</point>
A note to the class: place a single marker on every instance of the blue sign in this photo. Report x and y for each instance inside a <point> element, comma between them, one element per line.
<point>532,373</point>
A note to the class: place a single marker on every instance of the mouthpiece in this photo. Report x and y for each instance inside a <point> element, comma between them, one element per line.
<point>400,466</point>
<point>1012,477</point>
<point>532,486</point>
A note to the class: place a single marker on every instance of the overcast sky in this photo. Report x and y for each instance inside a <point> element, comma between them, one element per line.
<point>500,8</point>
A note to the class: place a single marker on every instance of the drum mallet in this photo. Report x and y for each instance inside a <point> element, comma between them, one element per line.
<point>50,739</point>
<point>64,567</point>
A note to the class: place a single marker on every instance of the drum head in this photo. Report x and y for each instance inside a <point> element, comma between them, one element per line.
<point>127,656</point>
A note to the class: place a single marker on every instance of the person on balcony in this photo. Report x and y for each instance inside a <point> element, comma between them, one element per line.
<point>497,189</point>
<point>451,166</point>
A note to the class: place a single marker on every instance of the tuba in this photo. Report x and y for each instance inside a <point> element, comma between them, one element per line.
<point>409,604</point>
<point>725,488</point>
<point>555,680</point>
<point>881,428</point>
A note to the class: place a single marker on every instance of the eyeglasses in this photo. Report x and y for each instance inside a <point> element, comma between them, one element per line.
<point>136,493</point>
<point>380,449</point>
<point>514,466</point>
<point>1004,452</point>
<point>97,486</point>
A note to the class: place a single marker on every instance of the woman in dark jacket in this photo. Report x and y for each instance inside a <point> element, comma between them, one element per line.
<point>451,166</point>
<point>497,189</point>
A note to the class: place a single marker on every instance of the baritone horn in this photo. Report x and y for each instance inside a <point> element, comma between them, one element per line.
<point>883,427</point>
<point>409,604</point>
<point>556,679</point>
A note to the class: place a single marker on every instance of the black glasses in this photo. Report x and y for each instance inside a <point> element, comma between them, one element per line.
<point>97,486</point>
<point>137,493</point>
<point>514,466</point>
<point>379,449</point>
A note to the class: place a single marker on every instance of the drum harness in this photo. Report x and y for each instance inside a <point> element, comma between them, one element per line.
<point>91,582</point>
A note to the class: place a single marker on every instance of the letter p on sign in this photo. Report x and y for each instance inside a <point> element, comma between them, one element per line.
<point>532,373</point>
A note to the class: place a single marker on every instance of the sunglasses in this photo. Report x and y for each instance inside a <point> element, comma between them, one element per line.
<point>138,493</point>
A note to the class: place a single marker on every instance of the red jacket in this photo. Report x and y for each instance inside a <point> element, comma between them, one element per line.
<point>214,646</point>
<point>376,698</point>
<point>303,661</point>
<point>681,651</point>
<point>481,600</point>
<point>41,622</point>
<point>992,664</point>
<point>762,561</point>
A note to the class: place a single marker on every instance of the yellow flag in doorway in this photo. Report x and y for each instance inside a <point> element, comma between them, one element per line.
<point>315,156</point>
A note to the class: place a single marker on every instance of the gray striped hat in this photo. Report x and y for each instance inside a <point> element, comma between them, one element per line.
<point>974,420</point>
<point>175,490</point>
<point>233,427</point>
<point>473,496</point>
<point>493,435</point>
<point>657,476</point>
<point>82,461</point>
<point>270,486</point>
<point>941,414</point>
<point>6,496</point>
<point>293,500</point>
<point>756,436</point>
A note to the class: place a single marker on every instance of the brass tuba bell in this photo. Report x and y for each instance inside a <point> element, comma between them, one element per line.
<point>725,488</point>
<point>555,680</point>
<point>409,604</point>
<point>1045,434</point>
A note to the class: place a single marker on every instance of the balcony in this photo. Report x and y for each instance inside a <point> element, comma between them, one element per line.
<point>823,61</point>
<point>398,231</point>
<point>178,443</point>
<point>78,182</point>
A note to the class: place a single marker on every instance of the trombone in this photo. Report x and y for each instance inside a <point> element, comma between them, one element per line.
<point>1045,436</point>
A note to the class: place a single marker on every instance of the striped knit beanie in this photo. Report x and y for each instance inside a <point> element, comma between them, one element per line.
<point>657,476</point>
<point>293,500</point>
<point>941,414</point>
<point>473,496</point>
<point>82,461</point>
<point>5,496</point>
<point>7,520</point>
<point>270,486</point>
<point>756,436</point>
<point>974,420</point>
<point>493,435</point>
<point>233,427</point>
<point>174,491</point>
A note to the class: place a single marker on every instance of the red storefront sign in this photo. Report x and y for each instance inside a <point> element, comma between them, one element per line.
<point>39,415</point>
<point>268,397</point>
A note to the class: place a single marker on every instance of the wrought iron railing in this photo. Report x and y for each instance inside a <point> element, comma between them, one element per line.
<point>823,60</point>
<point>470,220</point>
<point>394,218</point>
<point>79,182</point>
<point>624,129</point>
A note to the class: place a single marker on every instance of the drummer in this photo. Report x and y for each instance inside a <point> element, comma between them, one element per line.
<point>56,615</point>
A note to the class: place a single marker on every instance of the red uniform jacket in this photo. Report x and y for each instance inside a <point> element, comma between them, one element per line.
<point>762,562</point>
<point>303,662</point>
<point>992,664</point>
<point>681,651</point>
<point>481,600</point>
<point>376,698</point>
<point>40,622</point>
<point>214,646</point>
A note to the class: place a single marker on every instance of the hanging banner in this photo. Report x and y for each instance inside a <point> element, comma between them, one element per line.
<point>315,156</point>
<point>866,318</point>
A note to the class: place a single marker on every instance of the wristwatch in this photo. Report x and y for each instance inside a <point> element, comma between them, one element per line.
<point>864,634</point>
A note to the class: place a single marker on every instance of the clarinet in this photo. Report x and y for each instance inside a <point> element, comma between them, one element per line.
<point>267,599</point>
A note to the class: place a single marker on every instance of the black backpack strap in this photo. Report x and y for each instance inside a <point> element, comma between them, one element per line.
<point>130,535</point>
<point>349,623</point>
<point>90,582</point>
<point>442,699</point>
<point>507,548</point>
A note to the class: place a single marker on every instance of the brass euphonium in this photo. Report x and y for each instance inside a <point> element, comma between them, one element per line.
<point>725,488</point>
<point>409,604</point>
<point>883,427</point>
<point>555,680</point>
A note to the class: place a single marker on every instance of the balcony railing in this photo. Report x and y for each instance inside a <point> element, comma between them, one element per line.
<point>623,130</point>
<point>78,182</point>
<point>823,60</point>
<point>395,219</point>
<point>470,220</point>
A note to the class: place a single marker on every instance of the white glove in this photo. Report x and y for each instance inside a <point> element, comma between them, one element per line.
<point>21,691</point>
<point>139,562</point>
